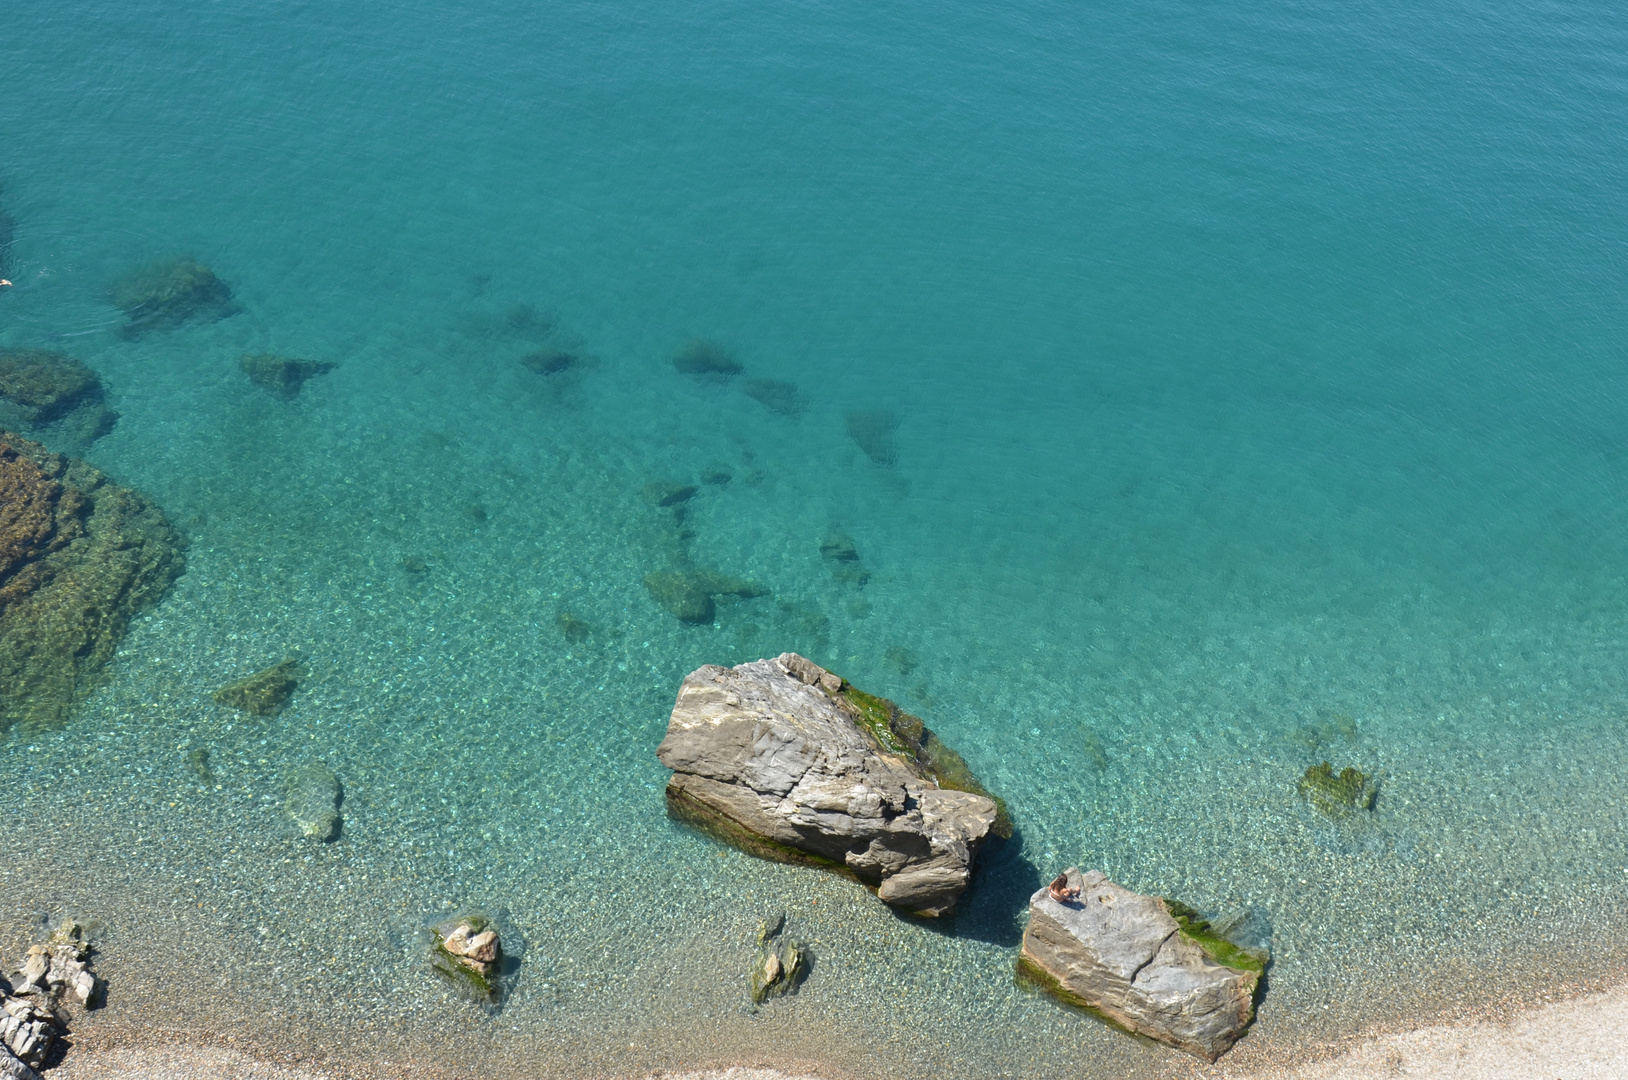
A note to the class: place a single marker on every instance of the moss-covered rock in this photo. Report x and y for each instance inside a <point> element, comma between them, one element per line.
<point>781,965</point>
<point>165,294</point>
<point>1338,794</point>
<point>468,953</point>
<point>79,557</point>
<point>898,732</point>
<point>264,692</point>
<point>41,388</point>
<point>282,376</point>
<point>708,360</point>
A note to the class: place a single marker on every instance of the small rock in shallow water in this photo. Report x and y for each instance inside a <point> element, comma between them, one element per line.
<point>576,630</point>
<point>264,692</point>
<point>781,962</point>
<point>313,800</point>
<point>198,765</point>
<point>283,376</point>
<point>468,952</point>
<point>1337,795</point>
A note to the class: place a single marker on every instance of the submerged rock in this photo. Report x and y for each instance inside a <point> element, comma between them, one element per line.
<point>662,493</point>
<point>1152,967</point>
<point>163,295</point>
<point>688,592</point>
<point>776,395</point>
<point>41,388</point>
<point>283,376</point>
<point>79,557</point>
<point>550,362</point>
<point>842,556</point>
<point>468,952</point>
<point>781,962</point>
<point>264,692</point>
<point>575,630</point>
<point>704,358</point>
<point>789,762</point>
<point>873,431</point>
<point>313,799</point>
<point>1337,795</point>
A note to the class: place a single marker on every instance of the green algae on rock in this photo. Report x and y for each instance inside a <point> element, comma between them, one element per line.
<point>165,294</point>
<point>42,388</point>
<point>1337,795</point>
<point>79,557</point>
<point>282,376</point>
<point>898,732</point>
<point>312,798</point>
<point>468,953</point>
<point>781,965</point>
<point>264,692</point>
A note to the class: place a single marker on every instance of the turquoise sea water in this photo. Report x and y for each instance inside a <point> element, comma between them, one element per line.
<point>1253,366</point>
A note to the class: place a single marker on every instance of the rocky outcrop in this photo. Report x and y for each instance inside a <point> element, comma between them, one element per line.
<point>1147,965</point>
<point>79,556</point>
<point>50,975</point>
<point>41,388</point>
<point>788,761</point>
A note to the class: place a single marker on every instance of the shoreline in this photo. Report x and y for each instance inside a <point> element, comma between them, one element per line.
<point>1566,1038</point>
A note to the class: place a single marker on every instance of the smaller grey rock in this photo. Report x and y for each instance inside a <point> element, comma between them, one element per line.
<point>1093,943</point>
<point>313,801</point>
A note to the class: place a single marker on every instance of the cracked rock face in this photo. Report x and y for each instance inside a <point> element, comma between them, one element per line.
<point>769,755</point>
<point>1123,954</point>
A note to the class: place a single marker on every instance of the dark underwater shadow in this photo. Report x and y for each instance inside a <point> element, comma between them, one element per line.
<point>993,907</point>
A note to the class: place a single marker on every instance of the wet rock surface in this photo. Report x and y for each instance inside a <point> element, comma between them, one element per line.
<point>281,376</point>
<point>1128,957</point>
<point>312,800</point>
<point>45,389</point>
<point>79,557</point>
<point>163,295</point>
<point>784,759</point>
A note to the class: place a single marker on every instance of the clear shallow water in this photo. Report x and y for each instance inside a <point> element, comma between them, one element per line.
<point>1251,368</point>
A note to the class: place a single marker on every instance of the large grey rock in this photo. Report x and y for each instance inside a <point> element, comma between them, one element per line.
<point>785,759</point>
<point>1124,955</point>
